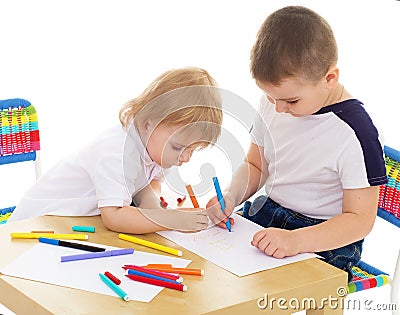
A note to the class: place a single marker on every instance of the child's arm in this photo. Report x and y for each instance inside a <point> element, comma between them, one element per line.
<point>250,176</point>
<point>135,220</point>
<point>248,179</point>
<point>356,221</point>
<point>149,217</point>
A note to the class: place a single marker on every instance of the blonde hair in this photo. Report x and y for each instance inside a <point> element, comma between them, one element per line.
<point>293,41</point>
<point>179,97</point>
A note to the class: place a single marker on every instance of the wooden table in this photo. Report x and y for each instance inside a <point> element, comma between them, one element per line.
<point>217,292</point>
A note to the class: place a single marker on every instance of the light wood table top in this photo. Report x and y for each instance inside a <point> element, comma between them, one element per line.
<point>217,292</point>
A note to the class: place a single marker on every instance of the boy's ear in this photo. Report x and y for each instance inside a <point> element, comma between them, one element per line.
<point>332,76</point>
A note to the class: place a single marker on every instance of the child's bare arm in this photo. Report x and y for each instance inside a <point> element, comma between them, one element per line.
<point>247,180</point>
<point>149,217</point>
<point>356,221</point>
<point>250,176</point>
<point>134,220</point>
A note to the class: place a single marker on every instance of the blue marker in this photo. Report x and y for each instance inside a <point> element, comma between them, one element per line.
<point>148,275</point>
<point>221,201</point>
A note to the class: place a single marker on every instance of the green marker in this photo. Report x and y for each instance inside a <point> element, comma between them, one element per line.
<point>121,293</point>
<point>82,228</point>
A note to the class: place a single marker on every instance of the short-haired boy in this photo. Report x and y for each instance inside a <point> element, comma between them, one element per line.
<point>314,148</point>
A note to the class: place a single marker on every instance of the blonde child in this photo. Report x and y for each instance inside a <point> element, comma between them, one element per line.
<point>314,147</point>
<point>177,113</point>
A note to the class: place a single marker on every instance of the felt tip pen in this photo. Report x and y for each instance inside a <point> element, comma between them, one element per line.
<point>154,272</point>
<point>83,228</point>
<point>53,241</point>
<point>192,196</point>
<point>139,241</point>
<point>112,278</point>
<point>121,293</point>
<point>169,268</point>
<point>221,201</point>
<point>165,284</point>
<point>148,275</point>
<point>107,253</point>
<point>50,235</point>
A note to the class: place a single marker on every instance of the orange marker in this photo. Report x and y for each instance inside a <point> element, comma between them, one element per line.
<point>192,196</point>
<point>170,269</point>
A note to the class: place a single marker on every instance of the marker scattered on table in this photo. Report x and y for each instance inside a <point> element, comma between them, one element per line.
<point>112,278</point>
<point>170,269</point>
<point>53,241</point>
<point>83,228</point>
<point>121,293</point>
<point>150,244</point>
<point>107,253</point>
<point>192,196</point>
<point>148,275</point>
<point>163,203</point>
<point>180,201</point>
<point>50,235</point>
<point>154,272</point>
<point>221,201</point>
<point>165,284</point>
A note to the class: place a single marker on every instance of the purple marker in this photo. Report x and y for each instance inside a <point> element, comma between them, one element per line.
<point>107,253</point>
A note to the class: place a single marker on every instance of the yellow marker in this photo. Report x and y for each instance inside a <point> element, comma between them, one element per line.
<point>139,241</point>
<point>50,235</point>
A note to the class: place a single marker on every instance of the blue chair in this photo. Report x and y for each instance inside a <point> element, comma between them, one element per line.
<point>19,138</point>
<point>366,276</point>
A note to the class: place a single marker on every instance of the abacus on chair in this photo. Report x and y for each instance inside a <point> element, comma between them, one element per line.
<point>19,138</point>
<point>366,276</point>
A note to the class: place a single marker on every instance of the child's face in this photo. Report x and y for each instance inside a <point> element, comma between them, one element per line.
<point>296,96</point>
<point>169,146</point>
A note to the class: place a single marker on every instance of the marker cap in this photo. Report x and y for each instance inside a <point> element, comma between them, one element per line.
<point>82,228</point>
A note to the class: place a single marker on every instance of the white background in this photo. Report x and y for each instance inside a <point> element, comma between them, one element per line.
<point>79,61</point>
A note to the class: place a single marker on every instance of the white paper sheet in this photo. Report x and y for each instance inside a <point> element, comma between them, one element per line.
<point>42,263</point>
<point>231,250</point>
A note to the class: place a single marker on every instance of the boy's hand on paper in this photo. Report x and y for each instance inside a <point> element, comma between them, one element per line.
<point>276,242</point>
<point>215,212</point>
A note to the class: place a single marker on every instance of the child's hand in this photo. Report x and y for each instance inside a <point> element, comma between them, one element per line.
<point>215,213</point>
<point>276,242</point>
<point>187,219</point>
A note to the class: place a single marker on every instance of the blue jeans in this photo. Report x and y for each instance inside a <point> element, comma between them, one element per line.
<point>268,213</point>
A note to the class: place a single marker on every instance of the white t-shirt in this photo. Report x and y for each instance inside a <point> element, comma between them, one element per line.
<point>108,172</point>
<point>313,158</point>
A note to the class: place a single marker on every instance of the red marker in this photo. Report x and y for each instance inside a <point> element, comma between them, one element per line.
<point>112,278</point>
<point>181,200</point>
<point>160,283</point>
<point>163,203</point>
